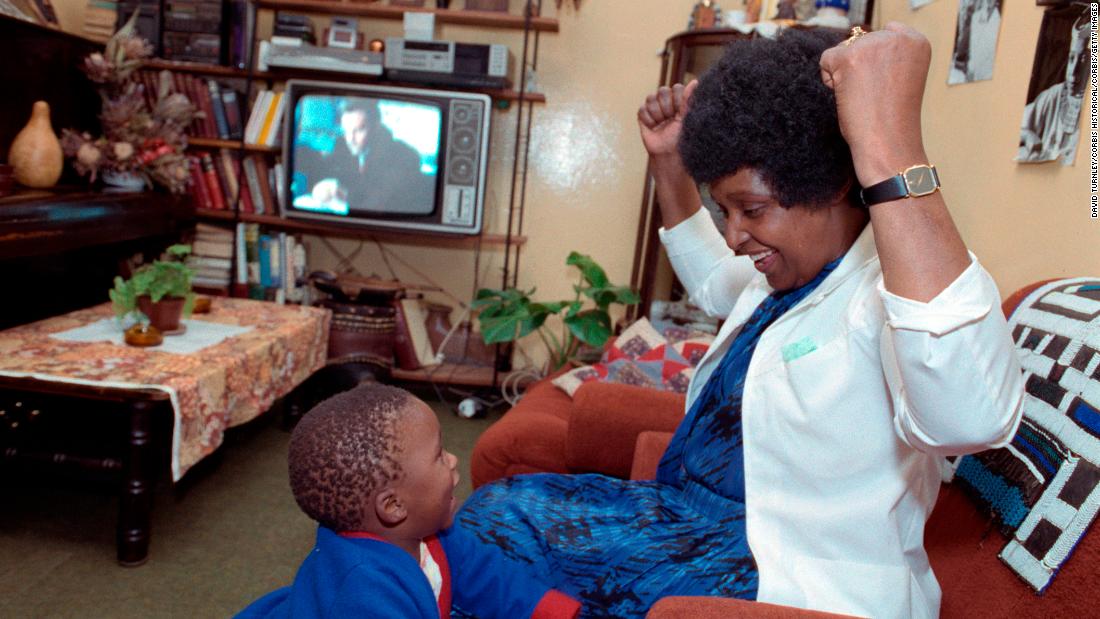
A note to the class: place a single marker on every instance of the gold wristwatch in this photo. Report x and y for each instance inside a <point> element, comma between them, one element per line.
<point>914,182</point>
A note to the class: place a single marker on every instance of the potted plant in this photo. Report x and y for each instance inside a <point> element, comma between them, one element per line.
<point>161,290</point>
<point>510,314</point>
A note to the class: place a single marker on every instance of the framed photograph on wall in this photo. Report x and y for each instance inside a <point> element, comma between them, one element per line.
<point>859,11</point>
<point>976,31</point>
<point>1050,127</point>
<point>769,9</point>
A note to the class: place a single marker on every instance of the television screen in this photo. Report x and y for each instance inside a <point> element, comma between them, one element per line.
<point>385,157</point>
<point>365,155</point>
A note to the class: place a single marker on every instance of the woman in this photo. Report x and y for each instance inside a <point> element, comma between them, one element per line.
<point>853,356</point>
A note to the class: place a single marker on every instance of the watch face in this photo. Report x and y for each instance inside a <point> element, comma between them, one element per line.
<point>921,180</point>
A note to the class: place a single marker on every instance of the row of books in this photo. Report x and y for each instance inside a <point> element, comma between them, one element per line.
<point>266,119</point>
<point>268,266</point>
<point>222,107</point>
<point>211,256</point>
<point>219,178</point>
<point>219,103</point>
<point>99,19</point>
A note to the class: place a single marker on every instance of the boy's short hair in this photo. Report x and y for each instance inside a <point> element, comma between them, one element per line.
<point>345,449</point>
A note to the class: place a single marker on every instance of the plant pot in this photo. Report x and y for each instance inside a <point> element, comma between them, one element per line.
<point>164,314</point>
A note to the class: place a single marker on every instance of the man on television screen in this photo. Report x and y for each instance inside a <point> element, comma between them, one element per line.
<point>369,169</point>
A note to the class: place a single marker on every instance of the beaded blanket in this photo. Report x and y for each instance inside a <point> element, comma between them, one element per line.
<point>1044,487</point>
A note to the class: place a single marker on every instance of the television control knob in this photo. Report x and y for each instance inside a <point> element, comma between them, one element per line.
<point>462,171</point>
<point>464,140</point>
<point>462,114</point>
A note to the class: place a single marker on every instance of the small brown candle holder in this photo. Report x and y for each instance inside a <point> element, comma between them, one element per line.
<point>143,335</point>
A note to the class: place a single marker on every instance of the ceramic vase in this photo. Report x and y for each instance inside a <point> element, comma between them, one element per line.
<point>35,153</point>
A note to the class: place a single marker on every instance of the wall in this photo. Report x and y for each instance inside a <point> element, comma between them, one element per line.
<point>1025,222</point>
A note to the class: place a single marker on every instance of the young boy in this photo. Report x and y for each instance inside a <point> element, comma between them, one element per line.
<point>369,466</point>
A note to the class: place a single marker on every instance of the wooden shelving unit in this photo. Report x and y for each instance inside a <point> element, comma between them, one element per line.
<point>334,229</point>
<point>377,10</point>
<point>511,240</point>
<point>451,374</point>
<point>280,74</point>
<point>232,144</point>
<point>496,93</point>
<point>199,68</point>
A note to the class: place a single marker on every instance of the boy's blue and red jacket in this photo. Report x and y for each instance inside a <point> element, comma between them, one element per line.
<point>360,575</point>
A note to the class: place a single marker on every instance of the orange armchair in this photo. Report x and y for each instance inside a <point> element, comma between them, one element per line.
<point>593,432</point>
<point>623,431</point>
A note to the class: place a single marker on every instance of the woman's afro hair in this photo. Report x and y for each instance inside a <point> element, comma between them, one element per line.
<point>763,106</point>
<point>345,449</point>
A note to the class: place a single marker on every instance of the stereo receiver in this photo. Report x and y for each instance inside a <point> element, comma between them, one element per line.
<point>447,63</point>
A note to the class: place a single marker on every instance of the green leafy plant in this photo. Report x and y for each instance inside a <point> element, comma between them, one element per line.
<point>169,277</point>
<point>510,314</point>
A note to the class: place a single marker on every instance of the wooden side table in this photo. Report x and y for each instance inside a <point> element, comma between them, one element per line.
<point>131,413</point>
<point>33,415</point>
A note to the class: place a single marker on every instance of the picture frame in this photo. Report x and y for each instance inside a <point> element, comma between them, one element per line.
<point>43,11</point>
<point>39,12</point>
<point>768,9</point>
<point>859,11</point>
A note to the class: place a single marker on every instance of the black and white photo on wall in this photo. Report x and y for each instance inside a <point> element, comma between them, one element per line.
<point>829,13</point>
<point>1049,129</point>
<point>976,32</point>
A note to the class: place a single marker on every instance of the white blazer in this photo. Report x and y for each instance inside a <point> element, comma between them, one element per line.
<point>851,399</point>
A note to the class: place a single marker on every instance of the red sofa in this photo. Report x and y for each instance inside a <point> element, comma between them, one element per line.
<point>622,431</point>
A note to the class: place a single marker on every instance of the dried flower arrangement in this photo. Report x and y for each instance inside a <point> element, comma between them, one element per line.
<point>136,139</point>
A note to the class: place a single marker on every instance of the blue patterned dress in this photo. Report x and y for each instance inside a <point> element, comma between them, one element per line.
<point>619,546</point>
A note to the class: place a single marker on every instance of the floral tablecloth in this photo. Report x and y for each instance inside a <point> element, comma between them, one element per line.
<point>215,388</point>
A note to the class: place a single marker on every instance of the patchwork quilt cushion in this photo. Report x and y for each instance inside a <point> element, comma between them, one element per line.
<point>1043,488</point>
<point>643,357</point>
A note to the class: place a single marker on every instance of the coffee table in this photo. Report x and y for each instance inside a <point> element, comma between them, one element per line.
<point>110,409</point>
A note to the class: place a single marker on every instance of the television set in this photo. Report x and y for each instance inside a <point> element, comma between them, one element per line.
<point>386,157</point>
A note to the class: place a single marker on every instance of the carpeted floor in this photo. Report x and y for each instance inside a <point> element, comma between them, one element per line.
<point>225,535</point>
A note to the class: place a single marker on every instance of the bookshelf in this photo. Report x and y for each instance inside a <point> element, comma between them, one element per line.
<point>232,144</point>
<point>198,68</point>
<point>251,80</point>
<point>355,232</point>
<point>281,75</point>
<point>451,374</point>
<point>483,19</point>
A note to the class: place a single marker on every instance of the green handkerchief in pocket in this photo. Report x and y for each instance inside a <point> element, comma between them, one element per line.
<point>798,349</point>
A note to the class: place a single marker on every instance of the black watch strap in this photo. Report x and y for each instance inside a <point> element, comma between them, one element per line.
<point>892,188</point>
<point>915,181</point>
